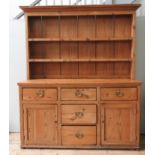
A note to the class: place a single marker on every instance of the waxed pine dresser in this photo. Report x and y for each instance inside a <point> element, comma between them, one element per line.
<point>80,90</point>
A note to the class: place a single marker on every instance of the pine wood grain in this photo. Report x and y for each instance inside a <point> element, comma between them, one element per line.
<point>80,91</point>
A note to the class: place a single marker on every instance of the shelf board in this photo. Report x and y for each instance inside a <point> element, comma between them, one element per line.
<point>39,76</point>
<point>80,60</point>
<point>79,39</point>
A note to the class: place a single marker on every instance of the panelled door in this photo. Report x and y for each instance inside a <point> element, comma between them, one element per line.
<point>118,123</point>
<point>40,124</point>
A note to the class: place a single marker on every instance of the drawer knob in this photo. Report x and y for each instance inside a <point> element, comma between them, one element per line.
<point>79,135</point>
<point>78,93</point>
<point>119,93</point>
<point>40,93</point>
<point>79,114</point>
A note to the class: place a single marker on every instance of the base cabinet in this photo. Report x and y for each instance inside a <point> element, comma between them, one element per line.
<point>60,116</point>
<point>118,123</point>
<point>40,124</point>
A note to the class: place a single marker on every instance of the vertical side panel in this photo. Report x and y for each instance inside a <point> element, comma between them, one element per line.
<point>27,46</point>
<point>133,47</point>
<point>138,113</point>
<point>22,133</point>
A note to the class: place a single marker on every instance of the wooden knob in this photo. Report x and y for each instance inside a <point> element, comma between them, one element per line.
<point>79,135</point>
<point>78,93</point>
<point>40,93</point>
<point>119,93</point>
<point>79,114</point>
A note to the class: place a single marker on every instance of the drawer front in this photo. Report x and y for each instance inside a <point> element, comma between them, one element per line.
<point>118,93</point>
<point>82,94</point>
<point>39,94</point>
<point>78,114</point>
<point>79,135</point>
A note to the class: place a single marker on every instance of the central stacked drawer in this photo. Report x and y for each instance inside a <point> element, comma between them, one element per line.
<point>78,117</point>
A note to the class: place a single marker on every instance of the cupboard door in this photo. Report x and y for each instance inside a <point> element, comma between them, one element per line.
<point>118,123</point>
<point>40,124</point>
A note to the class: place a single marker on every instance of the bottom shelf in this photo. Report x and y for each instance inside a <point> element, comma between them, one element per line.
<point>75,77</point>
<point>50,70</point>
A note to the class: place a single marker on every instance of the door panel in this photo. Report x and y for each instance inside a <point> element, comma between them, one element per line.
<point>118,123</point>
<point>40,124</point>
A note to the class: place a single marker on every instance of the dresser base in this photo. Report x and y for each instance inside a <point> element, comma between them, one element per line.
<point>84,114</point>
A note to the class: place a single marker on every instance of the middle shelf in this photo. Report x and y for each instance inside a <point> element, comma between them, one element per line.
<point>79,39</point>
<point>80,60</point>
<point>80,51</point>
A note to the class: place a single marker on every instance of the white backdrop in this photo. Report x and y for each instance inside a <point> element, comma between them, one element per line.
<point>18,58</point>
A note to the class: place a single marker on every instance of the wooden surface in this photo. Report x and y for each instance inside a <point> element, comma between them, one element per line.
<point>73,94</point>
<point>109,112</point>
<point>119,94</point>
<point>41,124</point>
<point>78,135</point>
<point>81,42</point>
<point>116,7</point>
<point>32,94</point>
<point>78,114</point>
<point>118,123</point>
<point>81,90</point>
<point>78,81</point>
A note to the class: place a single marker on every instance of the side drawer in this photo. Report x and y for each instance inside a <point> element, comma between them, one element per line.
<point>78,94</point>
<point>40,94</point>
<point>118,94</point>
<point>78,114</point>
<point>79,135</point>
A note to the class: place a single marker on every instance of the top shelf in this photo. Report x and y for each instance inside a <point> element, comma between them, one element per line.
<point>82,39</point>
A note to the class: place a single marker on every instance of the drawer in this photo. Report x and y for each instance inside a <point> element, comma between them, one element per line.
<point>74,94</point>
<point>79,135</point>
<point>118,93</point>
<point>39,94</point>
<point>78,114</point>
